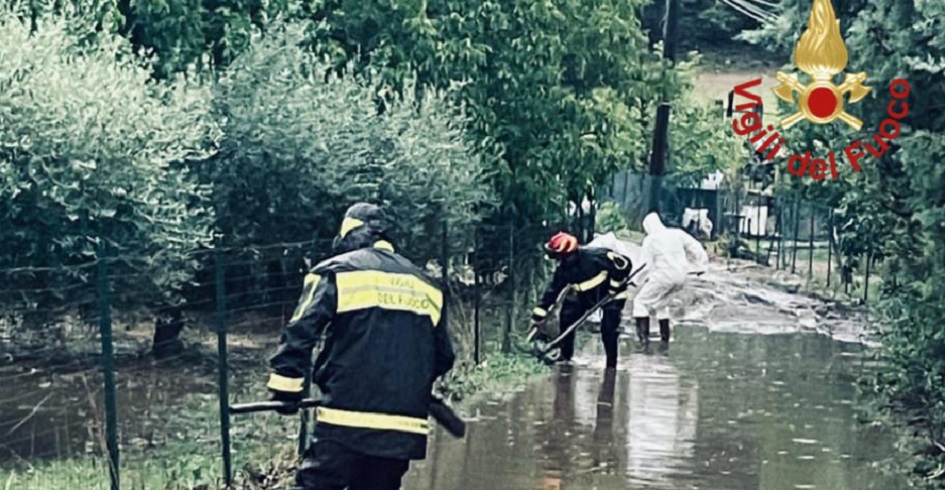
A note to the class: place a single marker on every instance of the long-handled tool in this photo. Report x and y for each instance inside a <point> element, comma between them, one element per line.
<point>439,410</point>
<point>548,347</point>
<point>554,307</point>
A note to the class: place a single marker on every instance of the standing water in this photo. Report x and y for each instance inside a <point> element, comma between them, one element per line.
<point>750,403</point>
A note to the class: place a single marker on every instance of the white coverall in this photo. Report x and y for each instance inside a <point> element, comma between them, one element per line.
<point>670,255</point>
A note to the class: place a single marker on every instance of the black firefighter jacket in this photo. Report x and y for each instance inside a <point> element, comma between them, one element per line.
<point>593,273</point>
<point>386,343</point>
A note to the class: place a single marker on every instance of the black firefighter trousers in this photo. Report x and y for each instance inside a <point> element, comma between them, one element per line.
<point>327,465</point>
<point>571,311</point>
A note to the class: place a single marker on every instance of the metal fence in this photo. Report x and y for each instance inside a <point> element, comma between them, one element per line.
<point>791,233</point>
<point>88,399</point>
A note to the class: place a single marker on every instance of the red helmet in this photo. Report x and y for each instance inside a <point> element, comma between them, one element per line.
<point>561,245</point>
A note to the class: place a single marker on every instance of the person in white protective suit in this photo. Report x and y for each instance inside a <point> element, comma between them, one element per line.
<point>669,255</point>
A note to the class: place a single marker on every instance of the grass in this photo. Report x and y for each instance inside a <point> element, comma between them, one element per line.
<point>263,444</point>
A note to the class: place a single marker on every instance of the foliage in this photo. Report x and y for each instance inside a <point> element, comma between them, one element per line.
<point>894,208</point>
<point>700,145</point>
<point>300,146</point>
<point>177,35</point>
<point>610,218</point>
<point>90,150</point>
<point>553,89</point>
<point>707,24</point>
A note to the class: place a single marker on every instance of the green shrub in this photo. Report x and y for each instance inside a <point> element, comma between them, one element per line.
<point>302,145</point>
<point>88,152</point>
<point>610,218</point>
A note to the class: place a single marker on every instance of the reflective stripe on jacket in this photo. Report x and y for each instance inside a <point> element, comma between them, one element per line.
<point>386,343</point>
<point>592,272</point>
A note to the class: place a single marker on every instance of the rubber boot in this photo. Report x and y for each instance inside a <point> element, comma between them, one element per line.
<point>643,330</point>
<point>664,330</point>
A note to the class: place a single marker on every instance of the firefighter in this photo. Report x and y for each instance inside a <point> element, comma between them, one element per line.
<point>592,273</point>
<point>385,345</point>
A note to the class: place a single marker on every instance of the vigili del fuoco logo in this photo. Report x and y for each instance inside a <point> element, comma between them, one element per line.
<point>821,55</point>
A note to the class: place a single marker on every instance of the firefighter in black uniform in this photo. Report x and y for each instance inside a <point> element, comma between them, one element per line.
<point>592,273</point>
<point>386,343</point>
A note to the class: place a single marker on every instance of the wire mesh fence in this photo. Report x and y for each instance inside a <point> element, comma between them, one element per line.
<point>800,236</point>
<point>107,381</point>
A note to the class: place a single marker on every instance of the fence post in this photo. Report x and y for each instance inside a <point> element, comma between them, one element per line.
<point>810,262</point>
<point>477,306</point>
<point>305,415</point>
<point>738,225</point>
<point>781,229</point>
<point>797,224</point>
<point>510,310</point>
<point>222,365</point>
<point>829,244</point>
<point>108,365</point>
<point>758,229</point>
<point>866,282</point>
<point>445,264</point>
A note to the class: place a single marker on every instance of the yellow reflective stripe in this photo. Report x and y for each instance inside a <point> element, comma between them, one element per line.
<point>620,261</point>
<point>384,245</point>
<point>592,282</point>
<point>308,290</point>
<point>615,284</point>
<point>367,420</point>
<point>358,290</point>
<point>623,295</point>
<point>349,224</point>
<point>282,383</point>
<point>539,311</point>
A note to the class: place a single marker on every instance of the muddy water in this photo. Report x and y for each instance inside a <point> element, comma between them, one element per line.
<point>46,415</point>
<point>718,411</point>
<point>753,394</point>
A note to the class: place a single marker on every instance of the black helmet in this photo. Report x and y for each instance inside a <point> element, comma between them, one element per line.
<point>364,224</point>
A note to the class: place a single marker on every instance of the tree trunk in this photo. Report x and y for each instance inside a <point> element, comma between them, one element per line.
<point>167,329</point>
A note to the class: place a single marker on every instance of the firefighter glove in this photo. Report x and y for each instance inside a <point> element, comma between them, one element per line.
<point>290,401</point>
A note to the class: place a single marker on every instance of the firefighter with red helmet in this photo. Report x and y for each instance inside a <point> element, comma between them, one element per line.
<point>592,274</point>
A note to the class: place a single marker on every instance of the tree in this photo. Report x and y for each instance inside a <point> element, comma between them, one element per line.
<point>91,156</point>
<point>894,207</point>
<point>301,144</point>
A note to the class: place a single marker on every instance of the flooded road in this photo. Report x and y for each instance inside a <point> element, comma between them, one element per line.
<point>719,411</point>
<point>723,408</point>
<point>756,392</point>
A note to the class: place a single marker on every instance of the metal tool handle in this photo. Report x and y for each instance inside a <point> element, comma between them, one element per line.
<point>271,406</point>
<point>439,410</point>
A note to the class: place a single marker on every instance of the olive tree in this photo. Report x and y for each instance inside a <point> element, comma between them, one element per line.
<point>90,153</point>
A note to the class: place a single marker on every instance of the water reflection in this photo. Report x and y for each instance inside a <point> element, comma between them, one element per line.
<point>661,420</point>
<point>719,411</point>
<point>556,439</point>
<point>603,447</point>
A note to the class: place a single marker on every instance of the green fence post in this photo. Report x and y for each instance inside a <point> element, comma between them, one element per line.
<point>445,262</point>
<point>758,227</point>
<point>866,281</point>
<point>223,365</point>
<point>477,306</point>
<point>797,224</point>
<point>810,262</point>
<point>108,365</point>
<point>510,313</point>
<point>829,245</point>
<point>304,414</point>
<point>781,232</point>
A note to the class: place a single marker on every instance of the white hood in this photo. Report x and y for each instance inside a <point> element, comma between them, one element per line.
<point>653,224</point>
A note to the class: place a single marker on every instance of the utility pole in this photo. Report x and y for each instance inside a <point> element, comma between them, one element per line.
<point>660,136</point>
